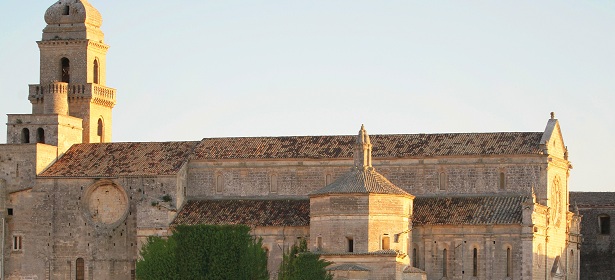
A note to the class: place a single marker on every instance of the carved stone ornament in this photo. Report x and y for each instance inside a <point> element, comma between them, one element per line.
<point>556,201</point>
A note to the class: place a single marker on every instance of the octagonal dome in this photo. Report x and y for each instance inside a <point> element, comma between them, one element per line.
<point>73,12</point>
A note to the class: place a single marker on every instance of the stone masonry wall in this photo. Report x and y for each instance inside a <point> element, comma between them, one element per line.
<point>277,241</point>
<point>463,175</point>
<point>598,250</point>
<point>491,242</point>
<point>19,164</point>
<point>338,218</point>
<point>80,218</point>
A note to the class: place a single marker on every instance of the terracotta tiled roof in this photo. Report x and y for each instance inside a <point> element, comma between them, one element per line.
<point>121,159</point>
<point>470,210</point>
<point>412,269</point>
<point>348,267</point>
<point>361,180</point>
<point>593,199</point>
<point>245,212</point>
<point>384,146</point>
<point>389,252</point>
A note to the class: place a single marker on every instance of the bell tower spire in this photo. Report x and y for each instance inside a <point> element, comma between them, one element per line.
<point>71,103</point>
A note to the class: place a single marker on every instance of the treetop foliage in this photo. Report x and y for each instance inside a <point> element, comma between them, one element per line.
<point>300,264</point>
<point>209,252</point>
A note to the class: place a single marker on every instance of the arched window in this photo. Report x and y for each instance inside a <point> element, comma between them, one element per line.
<point>386,242</point>
<point>415,258</point>
<point>40,135</point>
<point>328,179</point>
<point>266,251</point>
<point>65,63</point>
<point>25,136</point>
<point>508,262</point>
<point>444,263</point>
<point>80,269</point>
<point>96,71</point>
<point>442,181</point>
<point>604,224</point>
<point>273,187</point>
<point>319,243</point>
<point>101,130</point>
<point>502,182</point>
<point>219,183</point>
<point>475,262</point>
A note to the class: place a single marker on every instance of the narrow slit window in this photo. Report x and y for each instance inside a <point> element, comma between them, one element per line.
<point>475,262</point>
<point>350,244</point>
<point>66,11</point>
<point>444,263</point>
<point>415,258</point>
<point>319,243</point>
<point>508,262</point>
<point>17,242</point>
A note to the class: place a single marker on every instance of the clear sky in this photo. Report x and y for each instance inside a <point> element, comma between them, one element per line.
<point>185,70</point>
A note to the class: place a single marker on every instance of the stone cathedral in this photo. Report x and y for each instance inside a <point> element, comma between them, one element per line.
<point>76,205</point>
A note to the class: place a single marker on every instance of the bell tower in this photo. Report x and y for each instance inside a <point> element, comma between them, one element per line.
<point>71,104</point>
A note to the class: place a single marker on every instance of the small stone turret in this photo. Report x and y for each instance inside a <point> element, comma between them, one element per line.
<point>363,150</point>
<point>56,99</point>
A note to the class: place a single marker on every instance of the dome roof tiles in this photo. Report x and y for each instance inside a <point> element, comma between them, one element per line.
<point>361,180</point>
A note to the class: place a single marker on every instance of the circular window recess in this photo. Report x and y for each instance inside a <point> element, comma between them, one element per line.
<point>106,204</point>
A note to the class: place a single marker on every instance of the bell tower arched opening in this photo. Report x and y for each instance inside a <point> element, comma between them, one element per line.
<point>65,63</point>
<point>40,135</point>
<point>25,136</point>
<point>96,71</point>
<point>100,130</point>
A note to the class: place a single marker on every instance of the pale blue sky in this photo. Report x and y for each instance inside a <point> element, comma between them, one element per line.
<point>185,70</point>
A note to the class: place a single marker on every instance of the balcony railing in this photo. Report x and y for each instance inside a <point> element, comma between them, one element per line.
<point>88,91</point>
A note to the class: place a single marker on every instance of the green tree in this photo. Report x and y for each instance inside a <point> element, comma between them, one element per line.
<point>207,252</point>
<point>299,264</point>
<point>158,260</point>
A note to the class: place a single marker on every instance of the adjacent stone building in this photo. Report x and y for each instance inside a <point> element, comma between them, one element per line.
<point>399,206</point>
<point>598,248</point>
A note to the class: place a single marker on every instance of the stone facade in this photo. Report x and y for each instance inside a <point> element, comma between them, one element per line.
<point>597,256</point>
<point>487,205</point>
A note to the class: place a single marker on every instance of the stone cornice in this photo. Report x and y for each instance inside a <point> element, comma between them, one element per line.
<point>59,42</point>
